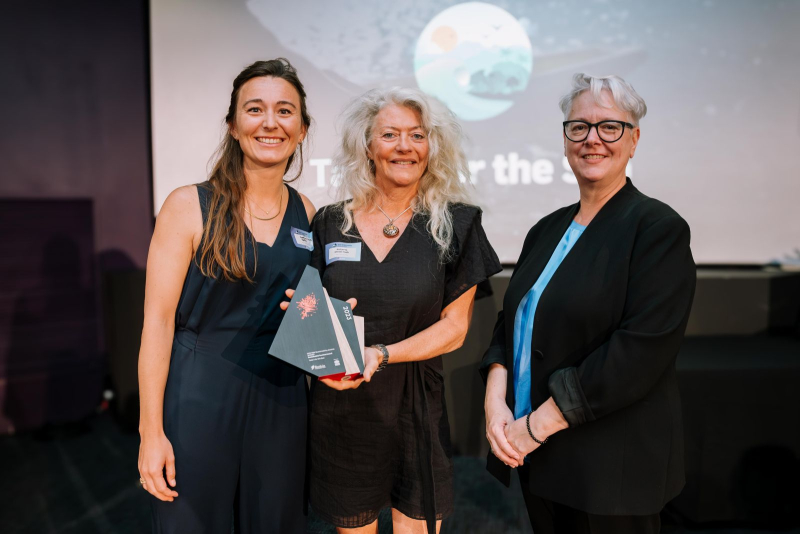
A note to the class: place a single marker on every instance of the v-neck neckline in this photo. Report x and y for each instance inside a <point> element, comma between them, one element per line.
<point>391,249</point>
<point>280,228</point>
<point>555,238</point>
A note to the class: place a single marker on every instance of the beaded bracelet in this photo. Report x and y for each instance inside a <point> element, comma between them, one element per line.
<point>528,424</point>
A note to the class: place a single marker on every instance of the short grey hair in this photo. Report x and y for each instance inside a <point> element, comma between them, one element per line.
<point>445,181</point>
<point>625,96</point>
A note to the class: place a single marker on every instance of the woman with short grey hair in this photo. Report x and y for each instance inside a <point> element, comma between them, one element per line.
<point>622,93</point>
<point>581,391</point>
<point>411,249</point>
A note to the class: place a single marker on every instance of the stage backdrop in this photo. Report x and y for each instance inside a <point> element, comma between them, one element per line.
<point>719,142</point>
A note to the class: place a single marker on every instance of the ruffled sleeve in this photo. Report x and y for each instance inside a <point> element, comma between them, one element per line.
<point>325,222</point>
<point>318,224</point>
<point>473,260</point>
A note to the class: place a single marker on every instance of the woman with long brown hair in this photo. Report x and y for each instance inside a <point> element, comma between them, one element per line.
<point>223,425</point>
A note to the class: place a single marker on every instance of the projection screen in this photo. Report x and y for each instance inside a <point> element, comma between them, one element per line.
<point>720,80</point>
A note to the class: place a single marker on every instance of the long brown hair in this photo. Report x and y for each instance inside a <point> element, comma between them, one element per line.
<point>223,247</point>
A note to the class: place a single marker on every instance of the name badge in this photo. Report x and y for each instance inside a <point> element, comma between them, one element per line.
<point>342,252</point>
<point>302,239</point>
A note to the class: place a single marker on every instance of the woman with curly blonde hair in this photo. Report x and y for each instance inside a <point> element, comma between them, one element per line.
<point>411,249</point>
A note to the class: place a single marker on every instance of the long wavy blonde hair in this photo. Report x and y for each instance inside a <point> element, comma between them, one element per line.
<point>445,179</point>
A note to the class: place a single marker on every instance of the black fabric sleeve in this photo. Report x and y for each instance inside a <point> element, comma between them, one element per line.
<point>496,353</point>
<point>318,226</point>
<point>473,260</point>
<point>625,368</point>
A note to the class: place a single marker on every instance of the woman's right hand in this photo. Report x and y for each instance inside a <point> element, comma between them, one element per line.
<point>155,458</point>
<point>498,417</point>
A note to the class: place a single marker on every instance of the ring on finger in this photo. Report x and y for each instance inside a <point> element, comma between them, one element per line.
<point>142,481</point>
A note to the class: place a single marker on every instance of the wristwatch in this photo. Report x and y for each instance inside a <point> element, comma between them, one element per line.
<point>385,352</point>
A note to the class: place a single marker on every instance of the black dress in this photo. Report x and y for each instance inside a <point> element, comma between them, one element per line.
<point>236,417</point>
<point>387,443</point>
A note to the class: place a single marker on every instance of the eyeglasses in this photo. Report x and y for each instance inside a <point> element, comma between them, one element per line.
<point>609,131</point>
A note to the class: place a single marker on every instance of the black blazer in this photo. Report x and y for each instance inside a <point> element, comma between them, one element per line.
<point>606,334</point>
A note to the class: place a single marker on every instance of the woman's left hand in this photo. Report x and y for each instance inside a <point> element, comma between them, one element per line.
<point>545,421</point>
<point>341,385</point>
<point>372,358</point>
<point>518,437</point>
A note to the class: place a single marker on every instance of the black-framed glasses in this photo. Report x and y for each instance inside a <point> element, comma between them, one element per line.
<point>609,131</point>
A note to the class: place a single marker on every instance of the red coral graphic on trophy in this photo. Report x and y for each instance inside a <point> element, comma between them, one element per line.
<point>307,305</point>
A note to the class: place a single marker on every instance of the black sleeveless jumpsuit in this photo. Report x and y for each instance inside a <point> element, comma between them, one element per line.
<point>236,417</point>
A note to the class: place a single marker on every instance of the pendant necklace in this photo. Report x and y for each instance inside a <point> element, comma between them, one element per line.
<point>268,218</point>
<point>390,230</point>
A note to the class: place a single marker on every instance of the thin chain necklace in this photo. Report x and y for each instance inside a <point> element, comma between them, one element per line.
<point>390,230</point>
<point>267,218</point>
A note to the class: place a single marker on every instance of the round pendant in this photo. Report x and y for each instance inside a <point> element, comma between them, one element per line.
<point>390,230</point>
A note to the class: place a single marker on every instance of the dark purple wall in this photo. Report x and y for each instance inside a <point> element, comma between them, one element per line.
<point>74,109</point>
<point>75,115</point>
<point>51,371</point>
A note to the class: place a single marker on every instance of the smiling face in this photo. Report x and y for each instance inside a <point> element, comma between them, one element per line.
<point>594,160</point>
<point>268,123</point>
<point>398,147</point>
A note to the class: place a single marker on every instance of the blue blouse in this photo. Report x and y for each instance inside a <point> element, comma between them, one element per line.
<point>523,321</point>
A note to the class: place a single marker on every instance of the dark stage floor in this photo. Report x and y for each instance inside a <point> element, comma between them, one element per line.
<point>83,480</point>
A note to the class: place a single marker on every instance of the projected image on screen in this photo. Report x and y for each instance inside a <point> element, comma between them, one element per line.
<point>474,57</point>
<point>723,111</point>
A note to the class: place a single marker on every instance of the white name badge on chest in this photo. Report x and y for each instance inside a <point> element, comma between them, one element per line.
<point>302,239</point>
<point>342,252</point>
